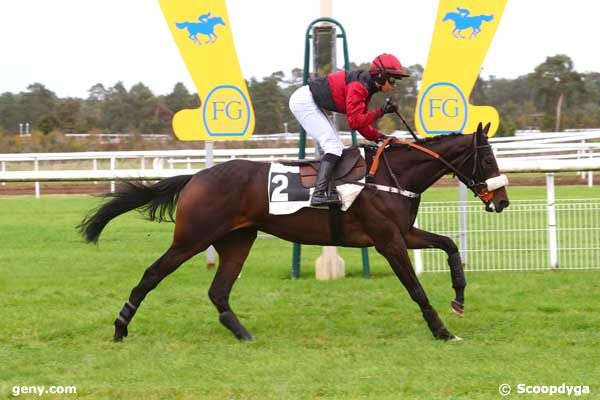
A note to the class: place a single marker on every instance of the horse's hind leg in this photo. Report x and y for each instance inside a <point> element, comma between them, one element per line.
<point>419,239</point>
<point>233,250</point>
<point>175,256</point>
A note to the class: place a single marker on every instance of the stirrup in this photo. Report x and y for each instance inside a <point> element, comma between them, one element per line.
<point>324,200</point>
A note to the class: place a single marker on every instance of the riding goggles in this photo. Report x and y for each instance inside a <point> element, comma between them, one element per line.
<point>392,79</point>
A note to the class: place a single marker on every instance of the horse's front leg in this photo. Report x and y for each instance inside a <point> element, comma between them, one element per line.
<point>396,252</point>
<point>419,239</point>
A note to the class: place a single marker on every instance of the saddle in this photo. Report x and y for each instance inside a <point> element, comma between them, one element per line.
<point>351,167</point>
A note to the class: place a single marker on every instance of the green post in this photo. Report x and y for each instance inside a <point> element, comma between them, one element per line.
<point>296,251</point>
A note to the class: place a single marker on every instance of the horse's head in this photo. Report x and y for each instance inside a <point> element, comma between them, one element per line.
<point>481,168</point>
<point>217,21</point>
<point>451,16</point>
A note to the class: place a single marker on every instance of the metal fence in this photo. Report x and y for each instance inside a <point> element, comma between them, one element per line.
<point>521,238</point>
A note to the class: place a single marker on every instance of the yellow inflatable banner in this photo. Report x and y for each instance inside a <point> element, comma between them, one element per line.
<point>463,32</point>
<point>202,32</point>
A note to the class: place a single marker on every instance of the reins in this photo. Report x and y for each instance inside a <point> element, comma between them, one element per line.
<point>391,140</point>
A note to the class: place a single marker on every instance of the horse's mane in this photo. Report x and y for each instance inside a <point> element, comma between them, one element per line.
<point>437,138</point>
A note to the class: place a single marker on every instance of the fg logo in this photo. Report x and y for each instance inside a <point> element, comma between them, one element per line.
<point>443,109</point>
<point>226,112</point>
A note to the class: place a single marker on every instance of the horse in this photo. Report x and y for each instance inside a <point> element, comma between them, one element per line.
<point>383,216</point>
<point>463,21</point>
<point>206,28</point>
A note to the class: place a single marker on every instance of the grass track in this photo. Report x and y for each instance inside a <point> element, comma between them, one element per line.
<point>347,339</point>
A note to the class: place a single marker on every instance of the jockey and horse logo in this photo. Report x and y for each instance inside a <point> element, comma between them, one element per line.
<point>205,26</point>
<point>463,20</point>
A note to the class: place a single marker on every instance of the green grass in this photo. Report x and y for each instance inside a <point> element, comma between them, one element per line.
<point>347,339</point>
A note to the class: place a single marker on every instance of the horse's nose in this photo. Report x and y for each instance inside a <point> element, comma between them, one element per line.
<point>502,204</point>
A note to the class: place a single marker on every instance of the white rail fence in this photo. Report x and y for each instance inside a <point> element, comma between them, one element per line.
<point>521,238</point>
<point>191,161</point>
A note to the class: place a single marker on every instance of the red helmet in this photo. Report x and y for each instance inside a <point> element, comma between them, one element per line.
<point>387,64</point>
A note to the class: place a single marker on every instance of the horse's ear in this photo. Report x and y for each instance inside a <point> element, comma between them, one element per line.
<point>487,128</point>
<point>479,128</point>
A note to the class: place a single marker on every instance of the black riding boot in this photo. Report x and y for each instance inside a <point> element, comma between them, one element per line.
<point>320,196</point>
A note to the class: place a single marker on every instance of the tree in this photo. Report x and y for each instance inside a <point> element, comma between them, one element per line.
<point>93,107</point>
<point>180,98</point>
<point>142,107</point>
<point>270,103</point>
<point>555,80</point>
<point>48,123</point>
<point>115,113</point>
<point>10,115</point>
<point>37,104</point>
<point>70,116</point>
<point>98,93</point>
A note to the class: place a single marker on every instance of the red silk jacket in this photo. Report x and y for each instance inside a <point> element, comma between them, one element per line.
<point>349,93</point>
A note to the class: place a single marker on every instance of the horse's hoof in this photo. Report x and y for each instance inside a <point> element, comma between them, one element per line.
<point>242,334</point>
<point>120,331</point>
<point>230,321</point>
<point>456,339</point>
<point>245,337</point>
<point>444,335</point>
<point>458,308</point>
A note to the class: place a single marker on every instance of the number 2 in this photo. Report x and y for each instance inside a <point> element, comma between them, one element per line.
<point>282,183</point>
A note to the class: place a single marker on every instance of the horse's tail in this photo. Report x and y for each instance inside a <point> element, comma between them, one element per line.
<point>181,25</point>
<point>157,200</point>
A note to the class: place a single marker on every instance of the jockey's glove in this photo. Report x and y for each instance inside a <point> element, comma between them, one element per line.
<point>382,138</point>
<point>389,106</point>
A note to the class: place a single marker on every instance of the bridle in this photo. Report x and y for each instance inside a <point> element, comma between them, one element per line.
<point>476,183</point>
<point>485,190</point>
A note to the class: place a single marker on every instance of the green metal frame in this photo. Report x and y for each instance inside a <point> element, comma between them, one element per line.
<point>297,247</point>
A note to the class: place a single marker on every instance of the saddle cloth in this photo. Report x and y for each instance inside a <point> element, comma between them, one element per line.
<point>291,183</point>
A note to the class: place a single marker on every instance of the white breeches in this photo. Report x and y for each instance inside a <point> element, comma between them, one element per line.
<point>315,122</point>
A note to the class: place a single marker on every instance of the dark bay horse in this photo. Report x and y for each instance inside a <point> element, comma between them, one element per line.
<point>382,216</point>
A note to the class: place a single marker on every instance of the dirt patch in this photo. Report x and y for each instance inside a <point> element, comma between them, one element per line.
<point>28,189</point>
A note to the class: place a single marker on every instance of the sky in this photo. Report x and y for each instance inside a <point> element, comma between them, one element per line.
<point>70,45</point>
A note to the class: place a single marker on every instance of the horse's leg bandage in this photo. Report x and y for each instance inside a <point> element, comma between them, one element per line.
<point>127,313</point>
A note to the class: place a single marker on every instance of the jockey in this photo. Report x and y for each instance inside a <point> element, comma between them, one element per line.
<point>204,18</point>
<point>463,12</point>
<point>345,92</point>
